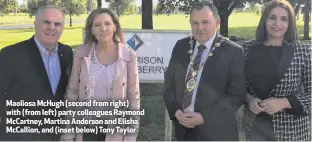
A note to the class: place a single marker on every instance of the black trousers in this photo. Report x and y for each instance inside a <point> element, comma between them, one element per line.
<point>94,137</point>
<point>262,129</point>
<point>185,134</point>
<point>190,135</point>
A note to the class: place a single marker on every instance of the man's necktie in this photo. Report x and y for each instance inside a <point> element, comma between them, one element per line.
<point>187,95</point>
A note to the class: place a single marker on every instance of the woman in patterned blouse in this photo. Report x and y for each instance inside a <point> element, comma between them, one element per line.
<point>104,70</point>
<point>278,78</point>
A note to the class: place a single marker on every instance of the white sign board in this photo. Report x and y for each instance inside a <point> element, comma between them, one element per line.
<point>153,50</point>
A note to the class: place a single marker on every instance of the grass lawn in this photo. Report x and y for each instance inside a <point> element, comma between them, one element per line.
<point>242,25</point>
<point>24,18</point>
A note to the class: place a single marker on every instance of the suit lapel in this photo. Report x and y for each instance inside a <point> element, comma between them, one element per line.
<point>213,60</point>
<point>210,65</point>
<point>286,56</point>
<point>186,60</point>
<point>217,38</point>
<point>183,62</point>
<point>38,65</point>
<point>61,54</point>
<point>63,64</point>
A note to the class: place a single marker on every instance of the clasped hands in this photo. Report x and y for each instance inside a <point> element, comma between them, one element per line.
<point>189,119</point>
<point>270,105</point>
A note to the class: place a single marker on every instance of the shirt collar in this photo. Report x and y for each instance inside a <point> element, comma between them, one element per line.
<point>42,49</point>
<point>208,44</point>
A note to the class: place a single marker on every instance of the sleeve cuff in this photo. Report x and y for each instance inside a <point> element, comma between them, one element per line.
<point>296,107</point>
<point>174,118</point>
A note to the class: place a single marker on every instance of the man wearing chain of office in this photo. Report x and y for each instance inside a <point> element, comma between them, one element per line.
<point>204,83</point>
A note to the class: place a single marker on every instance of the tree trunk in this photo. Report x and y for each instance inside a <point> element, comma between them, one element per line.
<point>297,8</point>
<point>99,3</point>
<point>147,14</point>
<point>306,21</point>
<point>117,8</point>
<point>225,8</point>
<point>224,30</point>
<point>70,19</point>
<point>296,5</point>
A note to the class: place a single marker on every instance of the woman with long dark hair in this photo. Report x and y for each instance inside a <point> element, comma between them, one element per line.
<point>278,78</point>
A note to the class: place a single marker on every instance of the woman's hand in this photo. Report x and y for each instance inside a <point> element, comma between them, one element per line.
<point>273,105</point>
<point>253,103</point>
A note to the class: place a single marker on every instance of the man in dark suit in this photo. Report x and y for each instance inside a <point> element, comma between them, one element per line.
<point>204,83</point>
<point>31,70</point>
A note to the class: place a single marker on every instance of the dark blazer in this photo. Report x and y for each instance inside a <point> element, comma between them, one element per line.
<point>293,80</point>
<point>23,77</point>
<point>221,90</point>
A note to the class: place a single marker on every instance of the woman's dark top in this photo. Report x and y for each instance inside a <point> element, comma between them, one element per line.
<point>261,68</point>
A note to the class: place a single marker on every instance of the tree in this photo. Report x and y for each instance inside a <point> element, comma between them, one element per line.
<point>7,6</point>
<point>154,8</point>
<point>147,14</point>
<point>23,7</point>
<point>119,6</point>
<point>131,9</point>
<point>34,5</point>
<point>306,11</point>
<point>73,7</point>
<point>225,8</point>
<point>253,8</point>
<point>99,3</point>
<point>91,5</point>
<point>296,5</point>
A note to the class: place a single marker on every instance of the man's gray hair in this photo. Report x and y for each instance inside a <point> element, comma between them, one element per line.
<point>39,11</point>
<point>200,5</point>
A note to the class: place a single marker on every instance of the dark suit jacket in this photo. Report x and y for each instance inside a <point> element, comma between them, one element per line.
<point>23,77</point>
<point>221,90</point>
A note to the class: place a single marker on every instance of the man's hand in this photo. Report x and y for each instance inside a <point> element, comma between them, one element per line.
<point>253,103</point>
<point>194,118</point>
<point>273,105</point>
<point>182,119</point>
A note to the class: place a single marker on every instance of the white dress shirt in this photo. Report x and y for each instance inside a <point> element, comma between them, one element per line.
<point>208,45</point>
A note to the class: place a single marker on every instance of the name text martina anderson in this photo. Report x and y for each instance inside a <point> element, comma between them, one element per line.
<point>19,121</point>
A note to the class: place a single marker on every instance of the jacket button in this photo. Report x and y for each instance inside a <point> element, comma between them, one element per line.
<point>0,119</point>
<point>5,93</point>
